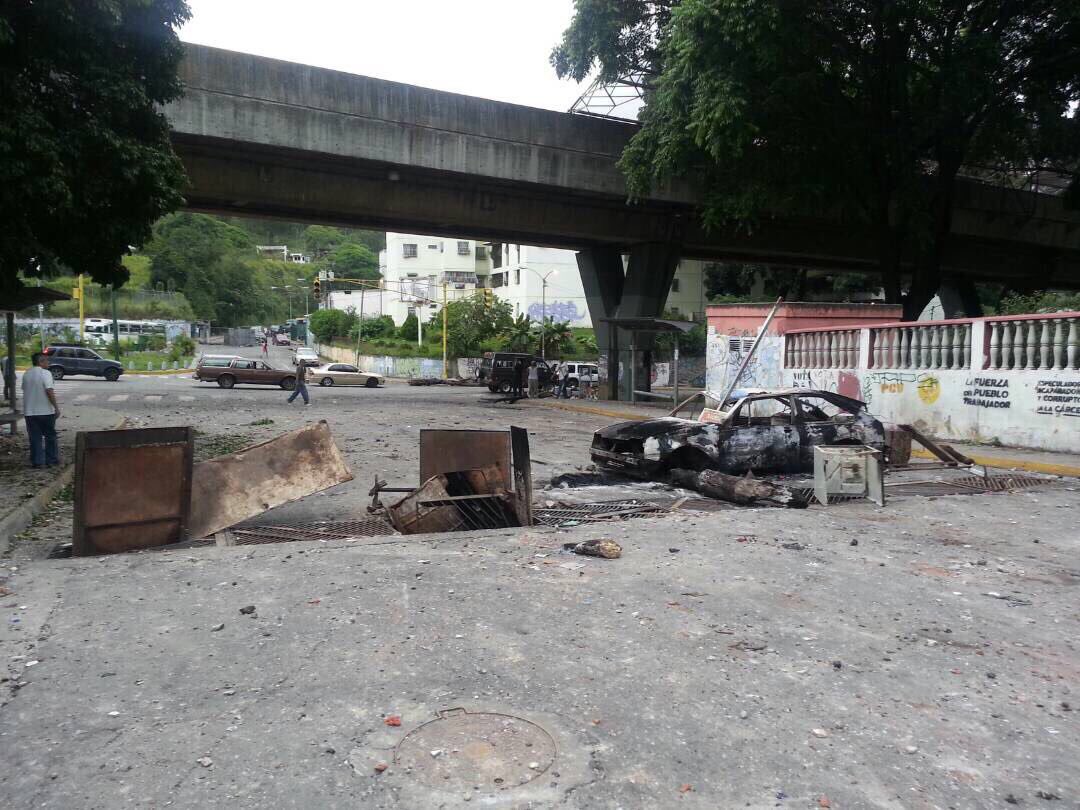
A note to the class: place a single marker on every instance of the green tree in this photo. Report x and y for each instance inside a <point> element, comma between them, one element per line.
<point>520,335</point>
<point>867,109</point>
<point>354,261</point>
<point>407,330</point>
<point>556,338</point>
<point>329,324</point>
<point>86,163</point>
<point>471,321</point>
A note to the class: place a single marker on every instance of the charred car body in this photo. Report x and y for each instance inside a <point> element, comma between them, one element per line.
<point>765,431</point>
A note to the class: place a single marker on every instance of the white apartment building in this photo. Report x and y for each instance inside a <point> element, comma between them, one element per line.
<point>537,282</point>
<point>414,270</point>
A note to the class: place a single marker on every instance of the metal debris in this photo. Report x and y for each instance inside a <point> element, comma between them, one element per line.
<point>608,549</point>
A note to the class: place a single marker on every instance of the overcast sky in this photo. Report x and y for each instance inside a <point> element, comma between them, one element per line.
<point>495,49</point>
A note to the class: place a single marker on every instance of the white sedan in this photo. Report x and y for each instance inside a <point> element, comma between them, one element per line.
<point>304,355</point>
<point>344,374</point>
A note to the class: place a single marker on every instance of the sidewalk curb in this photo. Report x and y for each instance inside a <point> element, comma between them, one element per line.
<point>1011,463</point>
<point>23,515</point>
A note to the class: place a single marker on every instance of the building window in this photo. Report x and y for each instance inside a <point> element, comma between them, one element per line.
<point>517,275</point>
<point>675,285</point>
<point>408,250</point>
<point>463,249</point>
<point>481,252</point>
<point>435,247</point>
<point>497,280</point>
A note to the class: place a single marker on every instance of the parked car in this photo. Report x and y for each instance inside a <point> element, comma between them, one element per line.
<point>66,359</point>
<point>497,370</point>
<point>228,370</point>
<point>343,374</point>
<point>281,340</point>
<point>305,355</point>
<point>575,370</point>
<point>763,431</point>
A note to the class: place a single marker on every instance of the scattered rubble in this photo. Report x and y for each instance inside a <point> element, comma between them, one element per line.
<point>744,491</point>
<point>608,549</point>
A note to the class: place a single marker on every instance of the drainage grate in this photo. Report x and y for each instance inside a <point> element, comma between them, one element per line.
<point>964,485</point>
<point>248,535</point>
<point>602,512</point>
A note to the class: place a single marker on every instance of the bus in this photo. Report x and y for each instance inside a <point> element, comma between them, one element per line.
<point>99,331</point>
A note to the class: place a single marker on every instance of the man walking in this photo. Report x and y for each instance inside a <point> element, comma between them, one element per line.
<point>41,412</point>
<point>300,388</point>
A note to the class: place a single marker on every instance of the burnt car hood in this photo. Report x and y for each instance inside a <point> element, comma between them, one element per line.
<point>661,436</point>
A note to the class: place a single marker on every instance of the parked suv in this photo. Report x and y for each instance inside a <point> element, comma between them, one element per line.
<point>227,370</point>
<point>575,370</point>
<point>497,370</point>
<point>68,359</point>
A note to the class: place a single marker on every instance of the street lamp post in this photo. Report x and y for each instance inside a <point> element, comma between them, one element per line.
<point>307,306</point>
<point>288,296</point>
<point>543,305</point>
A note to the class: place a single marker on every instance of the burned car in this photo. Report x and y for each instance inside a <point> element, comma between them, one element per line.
<point>761,431</point>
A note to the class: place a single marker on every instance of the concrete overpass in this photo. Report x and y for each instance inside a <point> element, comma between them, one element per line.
<point>261,137</point>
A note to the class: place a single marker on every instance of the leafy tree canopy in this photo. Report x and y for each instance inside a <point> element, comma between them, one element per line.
<point>354,261</point>
<point>866,109</point>
<point>471,321</point>
<point>86,163</point>
<point>329,324</point>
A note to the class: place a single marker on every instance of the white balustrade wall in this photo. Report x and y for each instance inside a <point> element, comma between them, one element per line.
<point>1013,380</point>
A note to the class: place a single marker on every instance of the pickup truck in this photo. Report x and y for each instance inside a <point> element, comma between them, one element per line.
<point>229,370</point>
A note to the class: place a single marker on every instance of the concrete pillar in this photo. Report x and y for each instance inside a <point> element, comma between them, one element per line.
<point>640,291</point>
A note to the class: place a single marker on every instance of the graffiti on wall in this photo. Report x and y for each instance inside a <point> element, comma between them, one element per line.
<point>891,382</point>
<point>839,382</point>
<point>987,392</point>
<point>558,311</point>
<point>1058,397</point>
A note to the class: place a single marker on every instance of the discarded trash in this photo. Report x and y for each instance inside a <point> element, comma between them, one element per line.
<point>393,720</point>
<point>685,788</point>
<point>608,549</point>
<point>380,767</point>
<point>217,627</point>
<point>247,610</point>
<point>794,546</point>
<point>206,762</point>
<point>819,732</point>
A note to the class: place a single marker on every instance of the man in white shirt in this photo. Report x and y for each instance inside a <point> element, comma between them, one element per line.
<point>41,412</point>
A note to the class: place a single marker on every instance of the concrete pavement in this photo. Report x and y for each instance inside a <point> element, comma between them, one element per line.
<point>921,656</point>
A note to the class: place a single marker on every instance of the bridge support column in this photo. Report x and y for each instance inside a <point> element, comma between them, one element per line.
<point>639,292</point>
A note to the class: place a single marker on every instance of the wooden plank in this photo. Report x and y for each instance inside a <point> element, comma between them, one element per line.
<point>445,451</point>
<point>523,484</point>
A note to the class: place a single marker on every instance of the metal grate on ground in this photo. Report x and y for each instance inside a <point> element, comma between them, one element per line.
<point>602,512</point>
<point>253,534</point>
<point>964,485</point>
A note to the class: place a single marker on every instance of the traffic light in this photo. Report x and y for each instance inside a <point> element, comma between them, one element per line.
<point>489,296</point>
<point>317,288</point>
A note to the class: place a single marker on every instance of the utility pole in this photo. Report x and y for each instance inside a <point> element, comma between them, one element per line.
<point>41,315</point>
<point>360,326</point>
<point>444,366</point>
<point>115,325</point>
<point>82,311</point>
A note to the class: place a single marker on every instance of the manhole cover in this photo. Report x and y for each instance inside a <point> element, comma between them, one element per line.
<point>462,750</point>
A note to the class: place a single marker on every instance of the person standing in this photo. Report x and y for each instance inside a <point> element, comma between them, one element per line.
<point>563,373</point>
<point>266,347</point>
<point>41,412</point>
<point>300,387</point>
<point>518,378</point>
<point>534,380</point>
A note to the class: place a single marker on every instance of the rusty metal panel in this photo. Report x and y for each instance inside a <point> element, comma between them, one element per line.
<point>443,451</point>
<point>132,489</point>
<point>230,489</point>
